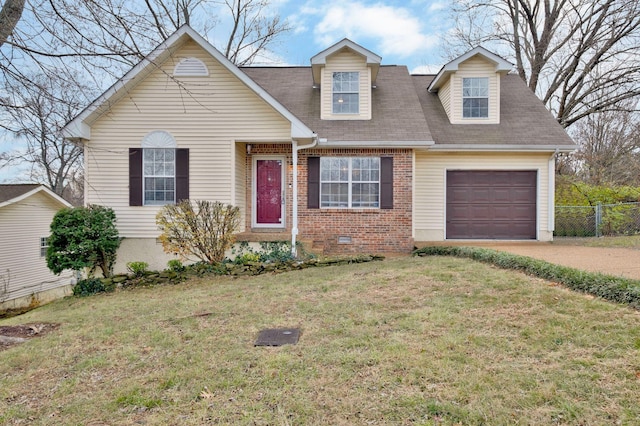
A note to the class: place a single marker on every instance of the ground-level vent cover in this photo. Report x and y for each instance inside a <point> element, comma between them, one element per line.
<point>278,337</point>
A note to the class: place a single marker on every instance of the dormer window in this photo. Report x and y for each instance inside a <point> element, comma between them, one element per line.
<point>475,97</point>
<point>346,92</point>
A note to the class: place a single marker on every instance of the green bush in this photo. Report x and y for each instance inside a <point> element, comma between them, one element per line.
<point>175,265</point>
<point>615,289</point>
<point>91,286</point>
<point>137,269</point>
<point>83,237</point>
<point>248,257</point>
<point>269,252</point>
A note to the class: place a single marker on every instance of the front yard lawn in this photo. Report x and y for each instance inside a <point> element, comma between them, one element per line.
<point>434,340</point>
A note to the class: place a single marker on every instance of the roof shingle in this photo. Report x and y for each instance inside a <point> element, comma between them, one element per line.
<point>396,111</point>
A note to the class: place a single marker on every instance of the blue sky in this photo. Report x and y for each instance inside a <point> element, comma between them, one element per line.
<point>407,33</point>
<point>402,32</point>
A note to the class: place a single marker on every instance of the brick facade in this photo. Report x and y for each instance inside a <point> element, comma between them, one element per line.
<point>369,230</point>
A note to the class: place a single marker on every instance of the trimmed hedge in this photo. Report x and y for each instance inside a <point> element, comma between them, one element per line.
<point>616,289</point>
<point>178,273</point>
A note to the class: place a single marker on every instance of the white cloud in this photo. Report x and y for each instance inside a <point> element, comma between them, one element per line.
<point>437,6</point>
<point>426,69</point>
<point>394,30</point>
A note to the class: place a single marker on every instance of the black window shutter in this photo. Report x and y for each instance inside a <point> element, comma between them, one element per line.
<point>386,182</point>
<point>135,176</point>
<point>313,182</point>
<point>182,174</point>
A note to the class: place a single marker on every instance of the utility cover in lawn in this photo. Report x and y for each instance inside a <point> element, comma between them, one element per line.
<point>278,337</point>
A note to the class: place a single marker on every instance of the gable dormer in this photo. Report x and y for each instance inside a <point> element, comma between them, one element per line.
<point>345,74</point>
<point>469,87</point>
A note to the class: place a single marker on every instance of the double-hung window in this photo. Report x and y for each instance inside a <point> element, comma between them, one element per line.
<point>44,245</point>
<point>159,166</point>
<point>350,182</point>
<point>158,171</point>
<point>475,97</point>
<point>346,93</point>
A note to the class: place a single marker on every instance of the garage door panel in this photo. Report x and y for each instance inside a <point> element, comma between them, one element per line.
<point>459,194</point>
<point>524,213</point>
<point>502,195</point>
<point>523,195</point>
<point>491,204</point>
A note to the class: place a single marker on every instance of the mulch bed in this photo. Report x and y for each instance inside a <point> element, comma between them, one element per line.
<point>11,335</point>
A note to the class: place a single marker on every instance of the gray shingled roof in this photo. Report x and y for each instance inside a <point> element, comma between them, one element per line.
<point>10,191</point>
<point>403,110</point>
<point>524,120</point>
<point>396,111</point>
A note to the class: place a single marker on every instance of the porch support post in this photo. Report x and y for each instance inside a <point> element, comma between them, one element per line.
<point>294,208</point>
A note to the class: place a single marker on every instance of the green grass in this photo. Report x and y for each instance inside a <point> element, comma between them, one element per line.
<point>431,341</point>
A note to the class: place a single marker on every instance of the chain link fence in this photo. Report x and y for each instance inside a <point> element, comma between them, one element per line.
<point>598,220</point>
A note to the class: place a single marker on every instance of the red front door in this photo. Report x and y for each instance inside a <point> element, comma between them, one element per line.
<point>269,192</point>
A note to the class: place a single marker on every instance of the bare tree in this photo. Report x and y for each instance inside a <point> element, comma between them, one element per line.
<point>43,40</point>
<point>252,32</point>
<point>579,56</point>
<point>609,152</point>
<point>40,107</point>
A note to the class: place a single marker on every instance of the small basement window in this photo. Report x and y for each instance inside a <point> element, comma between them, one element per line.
<point>344,240</point>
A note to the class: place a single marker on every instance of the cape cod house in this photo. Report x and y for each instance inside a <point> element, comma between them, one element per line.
<point>346,154</point>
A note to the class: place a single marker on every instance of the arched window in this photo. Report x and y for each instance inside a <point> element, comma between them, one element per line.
<point>159,172</point>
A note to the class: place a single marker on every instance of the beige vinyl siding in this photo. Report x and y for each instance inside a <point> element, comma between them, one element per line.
<point>23,271</point>
<point>206,114</point>
<point>430,186</point>
<point>345,62</point>
<point>444,94</point>
<point>475,67</point>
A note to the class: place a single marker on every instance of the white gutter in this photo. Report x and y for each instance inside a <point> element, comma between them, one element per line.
<point>506,148</point>
<point>294,208</point>
<point>376,144</point>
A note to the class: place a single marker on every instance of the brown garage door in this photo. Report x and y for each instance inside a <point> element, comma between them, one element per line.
<point>489,204</point>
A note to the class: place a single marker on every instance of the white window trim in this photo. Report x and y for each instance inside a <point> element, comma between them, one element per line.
<point>333,92</point>
<point>158,139</point>
<point>254,191</point>
<point>44,245</point>
<point>145,176</point>
<point>350,183</point>
<point>486,79</point>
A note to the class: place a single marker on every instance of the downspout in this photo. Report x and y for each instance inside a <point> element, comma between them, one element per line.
<point>551,226</point>
<point>294,209</point>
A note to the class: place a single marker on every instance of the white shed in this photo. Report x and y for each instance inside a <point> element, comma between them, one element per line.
<point>26,213</point>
